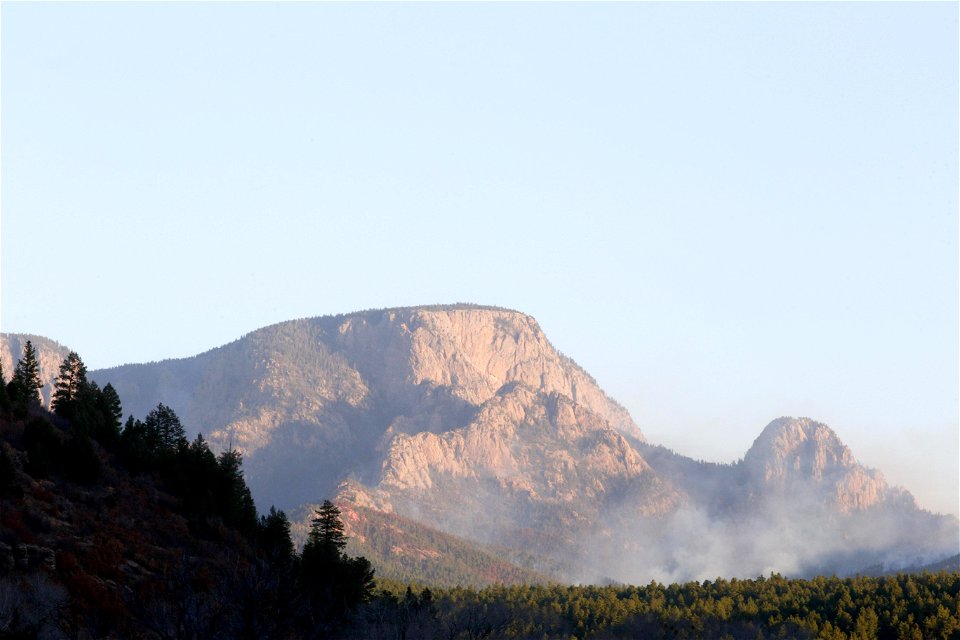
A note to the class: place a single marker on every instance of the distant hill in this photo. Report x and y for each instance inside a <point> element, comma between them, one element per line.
<point>951,565</point>
<point>467,422</point>
<point>405,550</point>
<point>948,565</point>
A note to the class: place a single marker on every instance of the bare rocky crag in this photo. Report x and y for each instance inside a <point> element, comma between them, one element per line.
<point>466,420</point>
<point>795,455</point>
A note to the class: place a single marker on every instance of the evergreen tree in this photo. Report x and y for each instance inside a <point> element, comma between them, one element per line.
<point>163,429</point>
<point>326,532</point>
<point>135,448</point>
<point>274,537</point>
<point>333,583</point>
<point>235,503</point>
<point>97,419</point>
<point>26,377</point>
<point>109,403</point>
<point>70,385</point>
<point>195,476</point>
<point>4,396</point>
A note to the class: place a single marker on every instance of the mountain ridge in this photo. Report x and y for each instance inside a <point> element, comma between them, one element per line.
<point>343,381</point>
<point>466,419</point>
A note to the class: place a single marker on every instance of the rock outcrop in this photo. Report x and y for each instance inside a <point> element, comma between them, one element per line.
<point>794,455</point>
<point>528,461</point>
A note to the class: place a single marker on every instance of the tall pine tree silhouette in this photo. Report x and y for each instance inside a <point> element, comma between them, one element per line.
<point>326,533</point>
<point>26,377</point>
<point>70,385</point>
<point>332,582</point>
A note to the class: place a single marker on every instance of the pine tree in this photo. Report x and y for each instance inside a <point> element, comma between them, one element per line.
<point>109,415</point>
<point>111,407</point>
<point>26,377</point>
<point>236,504</point>
<point>274,536</point>
<point>332,582</point>
<point>135,449</point>
<point>70,386</point>
<point>163,429</point>
<point>326,532</point>
<point>4,396</point>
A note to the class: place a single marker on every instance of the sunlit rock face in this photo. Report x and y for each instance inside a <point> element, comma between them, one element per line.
<point>471,352</point>
<point>798,453</point>
<point>508,440</point>
<point>527,461</point>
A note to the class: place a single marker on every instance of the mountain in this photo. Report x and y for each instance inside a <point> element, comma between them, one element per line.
<point>797,503</point>
<point>312,402</point>
<point>403,549</point>
<point>532,472</point>
<point>465,422</point>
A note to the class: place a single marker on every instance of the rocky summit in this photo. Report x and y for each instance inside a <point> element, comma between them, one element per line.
<point>467,422</point>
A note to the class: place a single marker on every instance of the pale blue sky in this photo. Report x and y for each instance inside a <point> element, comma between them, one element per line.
<point>725,212</point>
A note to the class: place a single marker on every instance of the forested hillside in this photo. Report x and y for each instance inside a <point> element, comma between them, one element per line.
<point>406,550</point>
<point>902,607</point>
<point>134,532</point>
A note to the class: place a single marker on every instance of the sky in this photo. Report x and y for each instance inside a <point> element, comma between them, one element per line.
<point>725,212</point>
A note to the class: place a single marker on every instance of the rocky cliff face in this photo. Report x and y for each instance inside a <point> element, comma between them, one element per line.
<point>527,463</point>
<point>798,454</point>
<point>471,351</point>
<point>502,441</point>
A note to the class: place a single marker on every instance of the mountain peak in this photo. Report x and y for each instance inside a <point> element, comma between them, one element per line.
<point>787,436</point>
<point>793,452</point>
<point>470,350</point>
